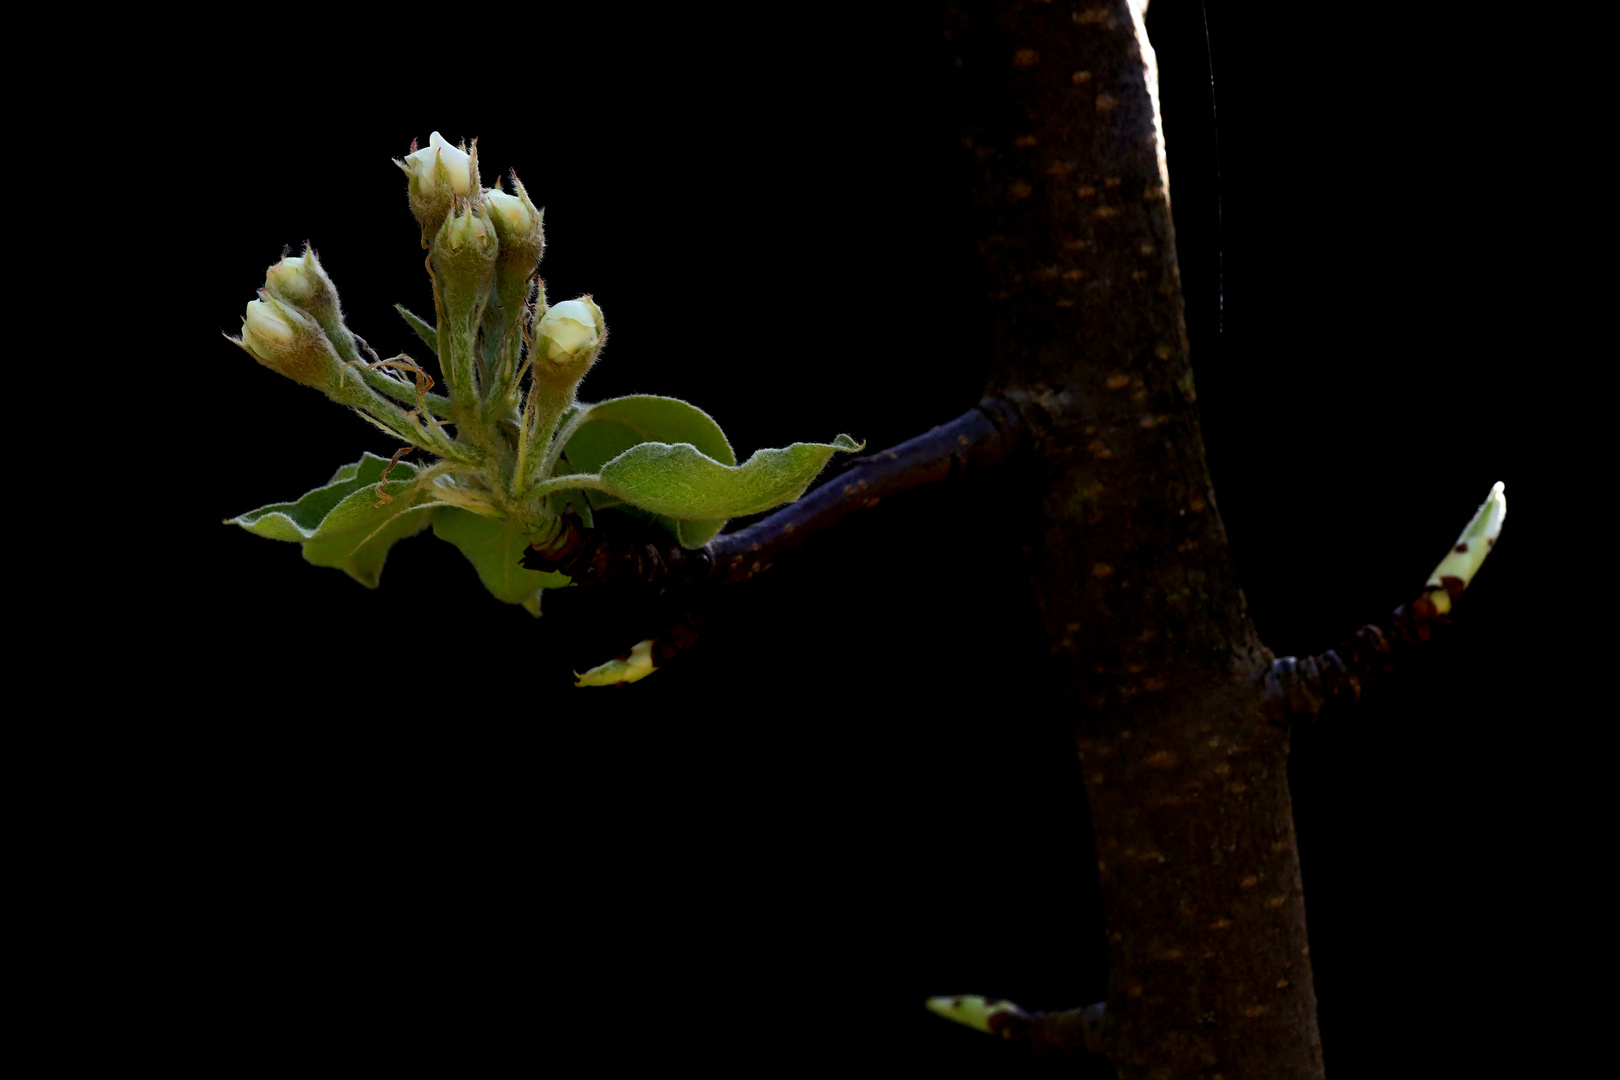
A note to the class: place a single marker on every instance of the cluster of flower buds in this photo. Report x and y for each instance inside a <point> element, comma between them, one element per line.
<point>484,249</point>
<point>296,326</point>
<point>301,281</point>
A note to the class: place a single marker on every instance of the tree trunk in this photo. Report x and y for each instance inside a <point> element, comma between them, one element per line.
<point>1210,972</point>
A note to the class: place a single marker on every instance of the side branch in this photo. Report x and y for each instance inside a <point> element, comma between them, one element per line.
<point>1301,687</point>
<point>1072,1035</point>
<point>981,438</point>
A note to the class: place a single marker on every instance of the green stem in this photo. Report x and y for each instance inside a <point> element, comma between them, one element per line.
<point>550,404</point>
<point>572,424</point>
<point>566,482</point>
<point>437,404</point>
<point>417,431</point>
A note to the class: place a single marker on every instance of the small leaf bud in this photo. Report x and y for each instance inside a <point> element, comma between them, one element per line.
<point>571,332</point>
<point>289,342</point>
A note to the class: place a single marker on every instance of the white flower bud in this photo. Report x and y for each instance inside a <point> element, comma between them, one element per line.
<point>455,162</point>
<point>288,341</point>
<point>569,331</point>
<point>510,211</point>
<point>266,331</point>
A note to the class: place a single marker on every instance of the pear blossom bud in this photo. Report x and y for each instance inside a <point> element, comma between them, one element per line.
<point>470,229</point>
<point>424,167</point>
<point>266,332</point>
<point>509,213</point>
<point>518,224</point>
<point>289,342</point>
<point>570,332</point>
<point>301,281</point>
<point>439,173</point>
<point>292,280</point>
<point>464,254</point>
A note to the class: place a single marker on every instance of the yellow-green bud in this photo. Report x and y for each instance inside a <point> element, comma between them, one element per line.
<point>471,229</point>
<point>571,332</point>
<point>510,214</point>
<point>289,342</point>
<point>464,254</point>
<point>518,224</point>
<point>291,280</point>
<point>301,281</point>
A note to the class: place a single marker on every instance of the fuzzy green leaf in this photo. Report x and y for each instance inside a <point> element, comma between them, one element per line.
<point>694,534</point>
<point>680,482</point>
<point>345,524</point>
<point>429,336</point>
<point>617,425</point>
<point>495,548</point>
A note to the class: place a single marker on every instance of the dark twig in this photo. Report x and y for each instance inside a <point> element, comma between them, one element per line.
<point>1072,1035</point>
<point>1301,687</point>
<point>1069,1035</point>
<point>1295,687</point>
<point>981,438</point>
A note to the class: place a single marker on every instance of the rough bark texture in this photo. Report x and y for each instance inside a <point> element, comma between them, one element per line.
<point>1209,966</point>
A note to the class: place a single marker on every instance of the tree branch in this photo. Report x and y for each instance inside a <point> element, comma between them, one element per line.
<point>1072,1035</point>
<point>982,438</point>
<point>1295,687</point>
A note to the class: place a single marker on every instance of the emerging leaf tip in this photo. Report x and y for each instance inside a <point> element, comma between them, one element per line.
<point>626,669</point>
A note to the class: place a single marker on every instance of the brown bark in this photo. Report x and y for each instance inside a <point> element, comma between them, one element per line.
<point>1209,966</point>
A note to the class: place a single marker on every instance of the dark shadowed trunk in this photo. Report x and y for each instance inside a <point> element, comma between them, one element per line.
<point>1209,967</point>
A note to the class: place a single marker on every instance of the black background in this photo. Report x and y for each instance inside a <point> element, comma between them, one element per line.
<point>383,826</point>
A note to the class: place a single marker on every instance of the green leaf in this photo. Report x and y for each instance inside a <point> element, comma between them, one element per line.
<point>680,482</point>
<point>429,336</point>
<point>345,524</point>
<point>694,534</point>
<point>617,425</point>
<point>495,548</point>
